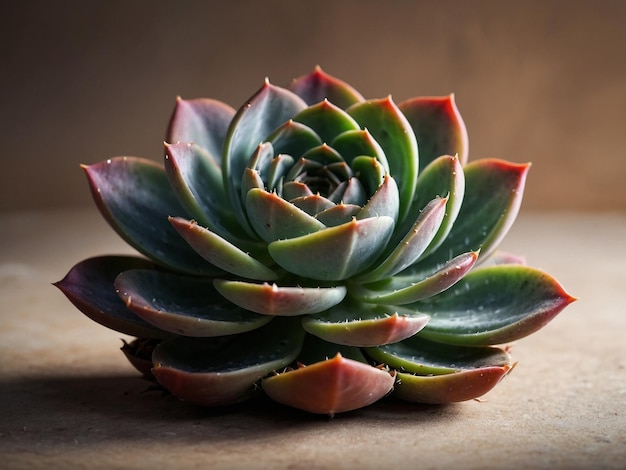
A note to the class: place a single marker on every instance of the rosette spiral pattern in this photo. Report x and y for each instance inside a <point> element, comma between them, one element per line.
<point>326,249</point>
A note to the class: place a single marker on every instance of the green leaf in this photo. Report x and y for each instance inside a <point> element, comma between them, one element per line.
<point>438,126</point>
<point>419,356</point>
<point>224,370</point>
<point>494,305</point>
<point>394,134</point>
<point>280,300</point>
<point>370,172</point>
<point>411,247</point>
<point>134,196</point>
<point>184,305</point>
<point>338,214</point>
<point>318,86</point>
<point>89,286</point>
<point>450,388</point>
<point>493,194</point>
<point>332,386</point>
<point>327,120</point>
<point>384,202</point>
<point>293,138</point>
<point>221,253</point>
<point>334,253</point>
<point>269,108</point>
<point>443,177</point>
<point>203,122</point>
<point>352,144</point>
<point>405,289</point>
<point>358,324</point>
<point>273,218</point>
<point>197,181</point>
<point>313,204</point>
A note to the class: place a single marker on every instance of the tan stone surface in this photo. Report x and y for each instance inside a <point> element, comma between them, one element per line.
<point>69,399</point>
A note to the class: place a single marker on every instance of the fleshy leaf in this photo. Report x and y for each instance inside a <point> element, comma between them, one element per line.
<point>419,356</point>
<point>385,201</point>
<point>450,388</point>
<point>357,324</point>
<point>327,120</point>
<point>438,126</point>
<point>352,144</point>
<point>293,138</point>
<point>89,286</point>
<point>493,194</point>
<point>338,214</point>
<point>224,370</point>
<point>201,121</point>
<point>312,205</point>
<point>269,108</point>
<point>270,299</point>
<point>134,196</point>
<point>318,86</point>
<point>370,172</point>
<point>405,289</point>
<point>394,134</point>
<point>221,252</point>
<point>443,177</point>
<point>410,248</point>
<point>273,218</point>
<point>494,305</point>
<point>328,387</point>
<point>197,181</point>
<point>184,305</point>
<point>334,253</point>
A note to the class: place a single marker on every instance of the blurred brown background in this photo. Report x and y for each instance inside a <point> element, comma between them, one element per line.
<point>540,81</point>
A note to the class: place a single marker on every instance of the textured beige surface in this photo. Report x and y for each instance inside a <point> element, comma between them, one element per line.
<point>69,399</point>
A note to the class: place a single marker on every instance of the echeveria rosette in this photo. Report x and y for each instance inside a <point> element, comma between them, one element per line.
<point>327,249</point>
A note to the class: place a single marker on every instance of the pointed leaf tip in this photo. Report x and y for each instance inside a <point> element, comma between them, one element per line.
<point>332,386</point>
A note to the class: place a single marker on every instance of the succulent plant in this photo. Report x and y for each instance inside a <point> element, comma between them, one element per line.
<point>316,246</point>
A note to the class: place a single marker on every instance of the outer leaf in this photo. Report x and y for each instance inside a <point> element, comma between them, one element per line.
<point>203,122</point>
<point>394,134</point>
<point>184,305</point>
<point>270,107</point>
<point>451,388</point>
<point>221,371</point>
<point>405,289</point>
<point>274,218</point>
<point>438,126</point>
<point>493,194</point>
<point>419,356</point>
<point>222,253</point>
<point>334,253</point>
<point>494,305</point>
<point>197,181</point>
<point>358,324</point>
<point>328,387</point>
<point>318,85</point>
<point>134,196</point>
<point>278,300</point>
<point>89,286</point>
